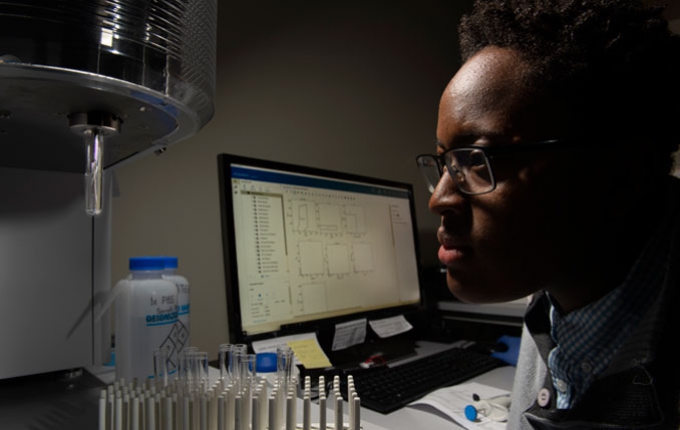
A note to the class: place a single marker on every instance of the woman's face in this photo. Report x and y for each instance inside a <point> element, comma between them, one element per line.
<point>542,224</point>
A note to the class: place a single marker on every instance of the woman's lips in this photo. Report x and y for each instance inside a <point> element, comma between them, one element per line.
<point>450,255</point>
<point>450,252</point>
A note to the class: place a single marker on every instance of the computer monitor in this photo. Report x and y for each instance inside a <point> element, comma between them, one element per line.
<point>306,247</point>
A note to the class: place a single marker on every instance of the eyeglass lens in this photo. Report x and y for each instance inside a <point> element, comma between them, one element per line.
<point>468,167</point>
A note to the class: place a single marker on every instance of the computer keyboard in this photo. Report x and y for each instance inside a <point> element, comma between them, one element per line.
<point>385,389</point>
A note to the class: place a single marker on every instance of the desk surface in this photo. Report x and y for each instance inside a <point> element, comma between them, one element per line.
<point>420,416</point>
<point>425,417</point>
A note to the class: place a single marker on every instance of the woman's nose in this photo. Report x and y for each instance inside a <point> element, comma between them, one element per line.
<point>444,195</point>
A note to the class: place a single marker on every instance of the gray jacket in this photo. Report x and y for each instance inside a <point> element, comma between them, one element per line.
<point>640,389</point>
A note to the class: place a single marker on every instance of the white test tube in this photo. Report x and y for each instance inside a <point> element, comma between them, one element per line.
<point>220,413</point>
<point>119,412</point>
<point>356,418</point>
<point>350,407</point>
<point>256,414</point>
<point>291,419</point>
<point>126,410</point>
<point>280,405</point>
<point>338,411</point>
<point>263,394</point>
<point>177,408</point>
<point>231,407</point>
<point>158,410</point>
<point>307,413</point>
<point>102,410</point>
<point>141,406</point>
<point>322,411</point>
<point>238,412</point>
<point>203,421</point>
<point>177,412</point>
<point>134,423</point>
<point>273,413</point>
<point>110,407</point>
<point>336,385</point>
<point>186,416</point>
<point>150,413</point>
<point>169,414</point>
<point>212,408</point>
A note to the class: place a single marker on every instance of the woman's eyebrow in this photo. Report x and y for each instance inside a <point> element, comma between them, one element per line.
<point>469,138</point>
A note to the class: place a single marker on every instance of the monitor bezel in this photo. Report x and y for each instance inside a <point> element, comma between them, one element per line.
<point>234,318</point>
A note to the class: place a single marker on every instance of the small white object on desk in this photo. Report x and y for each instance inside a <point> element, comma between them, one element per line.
<point>452,401</point>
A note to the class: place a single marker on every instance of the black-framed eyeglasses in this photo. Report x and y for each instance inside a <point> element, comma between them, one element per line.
<point>470,166</point>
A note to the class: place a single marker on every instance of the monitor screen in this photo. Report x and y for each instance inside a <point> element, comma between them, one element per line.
<point>305,246</point>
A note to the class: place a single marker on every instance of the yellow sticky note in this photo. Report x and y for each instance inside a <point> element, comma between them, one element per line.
<point>309,353</point>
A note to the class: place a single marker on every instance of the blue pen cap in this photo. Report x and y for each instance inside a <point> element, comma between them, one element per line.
<point>266,362</point>
<point>147,263</point>
<point>471,412</point>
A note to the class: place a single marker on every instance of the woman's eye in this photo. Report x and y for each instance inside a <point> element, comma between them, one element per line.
<point>477,159</point>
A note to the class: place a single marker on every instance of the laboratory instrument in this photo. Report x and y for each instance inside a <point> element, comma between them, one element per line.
<point>86,87</point>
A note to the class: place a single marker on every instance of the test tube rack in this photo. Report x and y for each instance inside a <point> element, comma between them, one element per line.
<point>225,405</point>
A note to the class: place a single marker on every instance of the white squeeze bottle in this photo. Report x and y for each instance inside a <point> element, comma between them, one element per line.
<point>146,315</point>
<point>170,273</point>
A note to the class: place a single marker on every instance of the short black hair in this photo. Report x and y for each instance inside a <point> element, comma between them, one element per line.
<point>615,61</point>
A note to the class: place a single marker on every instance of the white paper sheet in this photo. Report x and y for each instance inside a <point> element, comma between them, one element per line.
<point>349,333</point>
<point>387,327</point>
<point>453,400</point>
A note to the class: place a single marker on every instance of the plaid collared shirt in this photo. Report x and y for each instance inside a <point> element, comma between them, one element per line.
<point>588,338</point>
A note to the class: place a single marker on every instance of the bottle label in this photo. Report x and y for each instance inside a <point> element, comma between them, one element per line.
<point>169,337</point>
<point>161,319</point>
<point>184,309</point>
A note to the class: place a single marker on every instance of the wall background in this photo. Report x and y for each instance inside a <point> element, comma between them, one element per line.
<point>352,86</point>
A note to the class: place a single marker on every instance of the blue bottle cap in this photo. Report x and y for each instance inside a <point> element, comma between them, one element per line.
<point>170,262</point>
<point>471,412</point>
<point>266,362</point>
<point>146,263</point>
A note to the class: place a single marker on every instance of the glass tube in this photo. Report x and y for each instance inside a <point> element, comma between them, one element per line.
<point>234,367</point>
<point>94,139</point>
<point>201,367</point>
<point>223,355</point>
<point>248,372</point>
<point>284,366</point>
<point>160,367</point>
<point>185,369</point>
